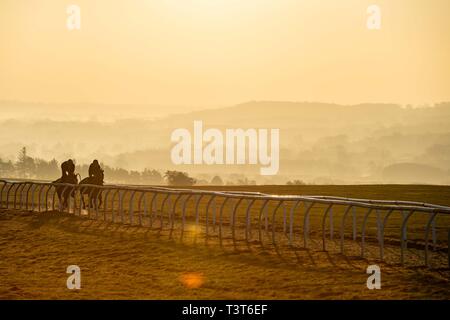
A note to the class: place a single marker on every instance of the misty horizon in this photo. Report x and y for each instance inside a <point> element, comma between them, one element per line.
<point>87,111</point>
<point>362,147</point>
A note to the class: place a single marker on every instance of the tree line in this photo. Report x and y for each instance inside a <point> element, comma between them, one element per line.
<point>27,167</point>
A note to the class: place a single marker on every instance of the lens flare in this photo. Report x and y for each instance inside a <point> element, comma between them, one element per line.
<point>192,280</point>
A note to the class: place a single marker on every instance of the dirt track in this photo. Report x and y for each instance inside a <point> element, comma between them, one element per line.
<point>123,262</point>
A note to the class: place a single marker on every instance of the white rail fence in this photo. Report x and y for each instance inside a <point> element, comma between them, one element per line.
<point>299,222</point>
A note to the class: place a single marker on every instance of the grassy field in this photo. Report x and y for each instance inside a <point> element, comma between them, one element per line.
<point>421,193</point>
<point>128,261</point>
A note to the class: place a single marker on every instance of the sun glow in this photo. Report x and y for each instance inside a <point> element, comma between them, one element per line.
<point>216,8</point>
<point>192,280</point>
<point>221,52</point>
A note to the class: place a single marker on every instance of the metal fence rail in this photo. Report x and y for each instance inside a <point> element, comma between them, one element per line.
<point>292,221</point>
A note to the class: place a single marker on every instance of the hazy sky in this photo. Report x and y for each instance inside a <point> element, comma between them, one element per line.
<point>221,52</point>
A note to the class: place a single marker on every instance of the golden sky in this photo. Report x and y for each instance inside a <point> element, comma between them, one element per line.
<point>220,52</point>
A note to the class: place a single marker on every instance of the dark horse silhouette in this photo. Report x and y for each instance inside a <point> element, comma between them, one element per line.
<point>94,194</point>
<point>65,192</point>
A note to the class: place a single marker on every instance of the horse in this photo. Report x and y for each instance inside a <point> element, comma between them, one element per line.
<point>94,194</point>
<point>64,192</point>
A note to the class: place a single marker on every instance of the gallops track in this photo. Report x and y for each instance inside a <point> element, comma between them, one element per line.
<point>408,233</point>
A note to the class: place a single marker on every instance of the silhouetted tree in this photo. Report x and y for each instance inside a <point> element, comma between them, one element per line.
<point>152,177</point>
<point>296,183</point>
<point>6,168</point>
<point>177,178</point>
<point>25,165</point>
<point>135,176</point>
<point>217,181</point>
<point>245,182</point>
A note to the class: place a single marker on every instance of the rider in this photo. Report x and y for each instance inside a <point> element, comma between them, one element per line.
<point>94,169</point>
<point>67,168</point>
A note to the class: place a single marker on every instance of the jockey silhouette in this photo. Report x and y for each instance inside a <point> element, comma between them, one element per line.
<point>68,169</point>
<point>68,176</point>
<point>94,169</point>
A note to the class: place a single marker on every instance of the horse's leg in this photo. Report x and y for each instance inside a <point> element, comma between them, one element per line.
<point>89,198</point>
<point>92,200</point>
<point>97,198</point>
<point>100,200</point>
<point>82,199</point>
<point>66,200</point>
<point>60,197</point>
<point>73,196</point>
<point>62,200</point>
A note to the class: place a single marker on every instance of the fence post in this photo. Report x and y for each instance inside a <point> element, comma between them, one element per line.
<point>291,222</point>
<point>324,219</point>
<point>448,248</point>
<point>82,207</point>
<point>173,214</point>
<point>1,193</point>
<point>266,219</point>
<point>248,219</point>
<point>403,238</point>
<point>121,196</point>
<point>263,210</point>
<point>207,215</point>
<point>46,195</point>
<point>105,204</point>
<point>7,194</point>
<point>331,224</point>
<point>214,215</point>
<point>131,207</point>
<point>169,211</point>
<point>307,208</point>
<point>153,200</point>
<point>183,219</point>
<point>145,205</point>
<point>233,217</point>
<point>54,201</point>
<point>363,232</point>
<point>197,212</point>
<point>161,216</point>
<point>15,195</point>
<point>220,219</point>
<point>354,223</point>
<point>405,232</point>
<point>154,208</point>
<point>433,233</point>
<point>33,188</point>
<point>343,227</point>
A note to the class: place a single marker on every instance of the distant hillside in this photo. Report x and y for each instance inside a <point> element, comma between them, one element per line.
<point>87,111</point>
<point>414,173</point>
<point>319,141</point>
